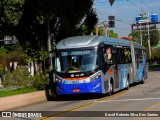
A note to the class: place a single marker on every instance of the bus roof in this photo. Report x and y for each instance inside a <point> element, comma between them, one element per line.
<point>91,41</point>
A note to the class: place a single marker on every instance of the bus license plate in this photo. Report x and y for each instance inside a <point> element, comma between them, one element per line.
<point>76,90</point>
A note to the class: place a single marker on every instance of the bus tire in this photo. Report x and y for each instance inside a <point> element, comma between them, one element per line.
<point>51,93</point>
<point>111,88</point>
<point>142,81</point>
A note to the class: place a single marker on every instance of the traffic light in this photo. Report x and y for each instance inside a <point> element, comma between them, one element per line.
<point>111,21</point>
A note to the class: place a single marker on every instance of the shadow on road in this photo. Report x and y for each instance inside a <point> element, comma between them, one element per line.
<point>51,96</point>
<point>73,97</point>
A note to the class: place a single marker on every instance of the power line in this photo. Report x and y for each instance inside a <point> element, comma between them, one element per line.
<point>146,29</point>
<point>147,6</point>
<point>135,6</point>
<point>118,19</point>
<point>122,29</point>
<point>119,30</point>
<point>106,1</point>
<point>102,1</point>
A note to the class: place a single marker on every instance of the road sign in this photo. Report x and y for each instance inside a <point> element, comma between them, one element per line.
<point>111,2</point>
<point>144,17</point>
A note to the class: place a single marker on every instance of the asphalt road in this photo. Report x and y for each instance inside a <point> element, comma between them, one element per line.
<point>140,100</point>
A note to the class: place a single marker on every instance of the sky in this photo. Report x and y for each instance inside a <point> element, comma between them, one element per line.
<point>125,12</point>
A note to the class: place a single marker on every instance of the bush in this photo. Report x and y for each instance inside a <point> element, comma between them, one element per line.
<point>155,56</point>
<point>22,78</point>
<point>1,69</point>
<point>39,81</point>
<point>18,78</point>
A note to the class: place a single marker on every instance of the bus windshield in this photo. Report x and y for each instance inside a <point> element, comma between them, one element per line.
<point>76,61</point>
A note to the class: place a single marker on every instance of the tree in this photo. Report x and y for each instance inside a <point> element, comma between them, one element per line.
<point>10,14</point>
<point>10,54</point>
<point>154,36</point>
<point>154,40</point>
<point>113,34</point>
<point>27,20</point>
<point>90,21</point>
<point>100,31</point>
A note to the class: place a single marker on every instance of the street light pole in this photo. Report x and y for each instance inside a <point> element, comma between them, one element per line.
<point>149,45</point>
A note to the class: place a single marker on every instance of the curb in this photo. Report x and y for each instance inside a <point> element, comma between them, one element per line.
<point>11,102</point>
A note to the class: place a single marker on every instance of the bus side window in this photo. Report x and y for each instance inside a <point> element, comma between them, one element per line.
<point>127,54</point>
<point>120,56</point>
<point>137,57</point>
<point>107,55</point>
<point>140,56</point>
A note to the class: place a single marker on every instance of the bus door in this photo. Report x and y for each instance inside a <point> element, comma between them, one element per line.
<point>111,60</point>
<point>136,60</point>
<point>115,66</point>
<point>139,57</point>
<point>137,64</point>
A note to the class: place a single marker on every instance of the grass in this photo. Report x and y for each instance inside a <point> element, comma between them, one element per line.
<point>4,93</point>
<point>154,67</point>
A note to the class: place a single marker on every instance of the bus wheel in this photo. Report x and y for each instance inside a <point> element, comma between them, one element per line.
<point>142,81</point>
<point>50,93</point>
<point>127,83</point>
<point>110,88</point>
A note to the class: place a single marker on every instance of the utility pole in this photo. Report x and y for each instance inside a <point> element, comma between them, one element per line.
<point>106,30</point>
<point>49,47</point>
<point>141,35</point>
<point>149,44</point>
<point>96,29</point>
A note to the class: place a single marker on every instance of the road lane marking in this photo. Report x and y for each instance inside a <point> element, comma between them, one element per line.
<point>142,99</point>
<point>84,105</point>
<point>154,107</point>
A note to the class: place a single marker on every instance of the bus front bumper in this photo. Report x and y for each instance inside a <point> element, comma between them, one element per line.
<point>94,86</point>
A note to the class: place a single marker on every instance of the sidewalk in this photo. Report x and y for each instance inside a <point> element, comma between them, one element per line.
<point>11,102</point>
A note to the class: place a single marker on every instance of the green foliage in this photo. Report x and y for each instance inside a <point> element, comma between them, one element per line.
<point>4,93</point>
<point>112,34</point>
<point>10,54</point>
<point>90,21</point>
<point>39,81</point>
<point>28,20</point>
<point>154,41</point>
<point>18,78</point>
<point>3,56</point>
<point>30,54</point>
<point>21,78</point>
<point>10,14</point>
<point>12,11</point>
<point>101,32</point>
<point>156,55</point>
<point>154,37</point>
<point>1,69</point>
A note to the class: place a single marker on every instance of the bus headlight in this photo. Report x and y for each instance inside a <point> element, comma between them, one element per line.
<point>57,79</point>
<point>96,76</point>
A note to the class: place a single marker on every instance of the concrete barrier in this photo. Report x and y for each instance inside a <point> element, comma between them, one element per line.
<point>11,102</point>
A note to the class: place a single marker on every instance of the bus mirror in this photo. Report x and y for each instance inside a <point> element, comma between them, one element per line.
<point>106,58</point>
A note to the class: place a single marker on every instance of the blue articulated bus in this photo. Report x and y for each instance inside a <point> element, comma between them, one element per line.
<point>98,64</point>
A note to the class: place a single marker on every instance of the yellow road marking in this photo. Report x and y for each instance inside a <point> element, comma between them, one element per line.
<point>153,106</point>
<point>81,106</point>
